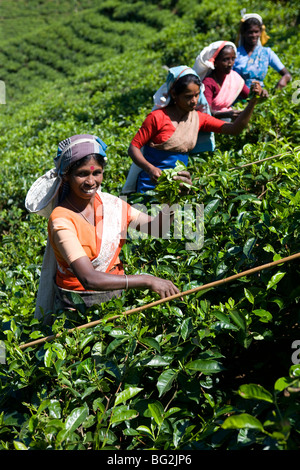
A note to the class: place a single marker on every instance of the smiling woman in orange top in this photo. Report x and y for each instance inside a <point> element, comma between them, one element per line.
<point>87,229</point>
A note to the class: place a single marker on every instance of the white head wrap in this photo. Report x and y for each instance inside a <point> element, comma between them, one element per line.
<point>205,61</point>
<point>42,197</point>
<point>247,16</point>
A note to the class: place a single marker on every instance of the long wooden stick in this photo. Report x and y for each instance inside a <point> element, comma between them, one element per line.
<point>259,161</point>
<point>167,299</point>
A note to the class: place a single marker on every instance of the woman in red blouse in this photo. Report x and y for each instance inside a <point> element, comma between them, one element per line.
<point>170,132</point>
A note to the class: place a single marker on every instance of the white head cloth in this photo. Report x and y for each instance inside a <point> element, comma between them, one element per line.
<point>247,16</point>
<point>205,61</point>
<point>42,196</point>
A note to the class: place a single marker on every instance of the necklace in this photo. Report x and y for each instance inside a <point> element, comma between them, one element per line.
<point>77,210</point>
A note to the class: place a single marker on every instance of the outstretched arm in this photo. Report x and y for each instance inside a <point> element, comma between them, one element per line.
<point>285,79</point>
<point>236,127</point>
<point>95,280</point>
<point>242,121</point>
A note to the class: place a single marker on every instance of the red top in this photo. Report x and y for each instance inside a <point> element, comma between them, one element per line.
<point>158,127</point>
<point>212,89</point>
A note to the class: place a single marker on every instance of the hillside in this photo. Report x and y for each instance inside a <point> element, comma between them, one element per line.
<point>170,377</point>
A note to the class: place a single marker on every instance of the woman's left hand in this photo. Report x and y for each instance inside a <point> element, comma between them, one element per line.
<point>285,79</point>
<point>185,177</point>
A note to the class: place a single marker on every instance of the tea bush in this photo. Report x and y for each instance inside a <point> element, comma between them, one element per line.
<point>210,370</point>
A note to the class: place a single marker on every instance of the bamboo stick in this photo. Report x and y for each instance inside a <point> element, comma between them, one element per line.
<point>254,163</point>
<point>167,299</point>
<point>259,161</point>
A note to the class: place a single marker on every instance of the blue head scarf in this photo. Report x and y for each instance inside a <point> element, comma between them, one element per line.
<point>178,72</point>
<point>162,96</point>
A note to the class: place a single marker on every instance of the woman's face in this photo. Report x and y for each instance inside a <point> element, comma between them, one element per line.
<point>225,60</point>
<point>252,35</point>
<point>187,100</point>
<point>85,180</point>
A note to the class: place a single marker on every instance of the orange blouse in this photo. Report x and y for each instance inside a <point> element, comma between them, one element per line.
<point>72,237</point>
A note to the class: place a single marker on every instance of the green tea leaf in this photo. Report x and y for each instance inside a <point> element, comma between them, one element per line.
<point>249,295</point>
<point>242,421</point>
<point>264,315</point>
<point>76,418</point>
<point>122,413</point>
<point>167,189</point>
<point>282,383</point>
<point>19,445</point>
<point>275,279</point>
<point>207,366</point>
<point>165,380</point>
<point>126,394</point>
<point>157,412</point>
<point>255,392</point>
<point>249,245</point>
<point>239,319</point>
<point>186,328</point>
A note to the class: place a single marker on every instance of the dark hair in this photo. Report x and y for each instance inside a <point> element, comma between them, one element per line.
<point>83,160</point>
<point>181,84</point>
<point>251,22</point>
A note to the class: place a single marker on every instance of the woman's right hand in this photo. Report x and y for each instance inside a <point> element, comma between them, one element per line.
<point>163,287</point>
<point>154,174</point>
<point>241,122</point>
<point>256,89</point>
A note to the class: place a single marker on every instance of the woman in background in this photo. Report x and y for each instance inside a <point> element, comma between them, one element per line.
<point>223,86</point>
<point>253,59</point>
<point>170,132</point>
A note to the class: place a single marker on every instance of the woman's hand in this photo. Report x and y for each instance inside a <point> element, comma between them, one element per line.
<point>154,174</point>
<point>185,177</point>
<point>256,89</point>
<point>139,159</point>
<point>163,287</point>
<point>285,79</point>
